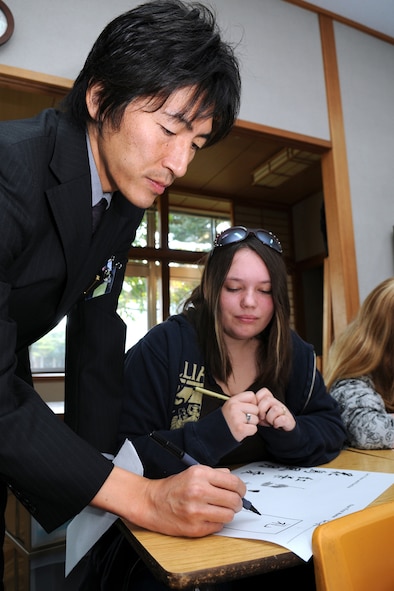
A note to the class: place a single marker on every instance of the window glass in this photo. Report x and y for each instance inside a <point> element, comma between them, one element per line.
<point>146,234</point>
<point>183,279</point>
<point>140,303</point>
<point>48,354</point>
<point>193,232</point>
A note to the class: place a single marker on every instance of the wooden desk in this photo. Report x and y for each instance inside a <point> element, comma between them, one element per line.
<point>387,454</point>
<point>183,563</point>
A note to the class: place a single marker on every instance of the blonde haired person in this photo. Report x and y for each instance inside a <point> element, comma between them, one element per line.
<point>360,371</point>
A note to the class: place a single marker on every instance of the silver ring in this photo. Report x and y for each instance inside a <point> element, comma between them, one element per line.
<point>283,410</point>
<point>248,417</point>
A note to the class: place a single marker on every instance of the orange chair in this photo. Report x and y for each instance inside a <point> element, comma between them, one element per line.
<point>355,552</point>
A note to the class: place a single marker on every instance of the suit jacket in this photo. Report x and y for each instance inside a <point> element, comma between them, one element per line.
<point>48,259</point>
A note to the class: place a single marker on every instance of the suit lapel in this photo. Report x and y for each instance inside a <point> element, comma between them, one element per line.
<point>71,204</point>
<point>70,199</point>
<point>113,236</point>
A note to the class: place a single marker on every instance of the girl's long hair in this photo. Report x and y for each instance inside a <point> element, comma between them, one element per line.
<point>202,308</point>
<point>366,346</point>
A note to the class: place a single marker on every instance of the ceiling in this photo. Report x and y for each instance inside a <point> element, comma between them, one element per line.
<point>225,170</point>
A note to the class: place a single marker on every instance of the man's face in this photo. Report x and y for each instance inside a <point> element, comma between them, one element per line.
<point>150,149</point>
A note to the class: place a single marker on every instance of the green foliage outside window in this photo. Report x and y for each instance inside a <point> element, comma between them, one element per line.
<point>187,231</point>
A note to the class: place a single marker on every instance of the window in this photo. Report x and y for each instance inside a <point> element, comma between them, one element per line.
<point>163,269</point>
<point>164,266</point>
<point>47,355</point>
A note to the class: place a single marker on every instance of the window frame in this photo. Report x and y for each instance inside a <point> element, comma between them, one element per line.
<point>158,260</point>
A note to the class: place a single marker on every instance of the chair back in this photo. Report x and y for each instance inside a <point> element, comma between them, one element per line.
<point>355,552</point>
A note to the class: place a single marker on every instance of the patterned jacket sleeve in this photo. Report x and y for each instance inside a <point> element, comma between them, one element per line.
<point>367,423</point>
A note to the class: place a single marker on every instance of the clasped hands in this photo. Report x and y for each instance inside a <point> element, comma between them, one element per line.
<point>246,411</point>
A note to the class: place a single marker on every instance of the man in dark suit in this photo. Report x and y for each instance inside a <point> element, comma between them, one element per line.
<point>158,84</point>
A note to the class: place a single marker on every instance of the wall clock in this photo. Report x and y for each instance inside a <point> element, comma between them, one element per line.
<point>6,23</point>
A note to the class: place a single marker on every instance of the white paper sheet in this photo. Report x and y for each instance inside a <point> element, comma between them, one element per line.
<point>294,500</point>
<point>89,525</point>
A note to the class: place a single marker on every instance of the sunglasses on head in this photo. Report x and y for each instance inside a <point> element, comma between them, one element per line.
<point>240,233</point>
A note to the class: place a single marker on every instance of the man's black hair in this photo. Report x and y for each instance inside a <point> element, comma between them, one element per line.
<point>152,51</point>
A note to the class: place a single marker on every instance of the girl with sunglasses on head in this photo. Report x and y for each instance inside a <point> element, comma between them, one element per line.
<point>233,337</point>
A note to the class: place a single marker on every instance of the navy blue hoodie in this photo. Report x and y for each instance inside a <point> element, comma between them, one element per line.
<point>161,371</point>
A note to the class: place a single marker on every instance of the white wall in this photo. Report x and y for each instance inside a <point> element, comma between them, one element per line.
<point>272,37</point>
<point>281,61</point>
<point>366,70</point>
<point>283,86</point>
<point>54,36</point>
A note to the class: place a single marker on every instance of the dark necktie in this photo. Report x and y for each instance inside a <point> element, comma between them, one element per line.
<point>97,212</point>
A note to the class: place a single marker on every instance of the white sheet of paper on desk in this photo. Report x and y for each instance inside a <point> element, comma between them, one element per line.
<point>293,501</point>
<point>89,525</point>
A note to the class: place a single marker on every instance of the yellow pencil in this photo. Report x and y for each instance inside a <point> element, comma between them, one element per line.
<point>210,393</point>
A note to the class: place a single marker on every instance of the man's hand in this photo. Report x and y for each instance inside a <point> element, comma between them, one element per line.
<point>194,503</point>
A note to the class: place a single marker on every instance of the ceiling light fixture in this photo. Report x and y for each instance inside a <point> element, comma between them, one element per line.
<point>283,166</point>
